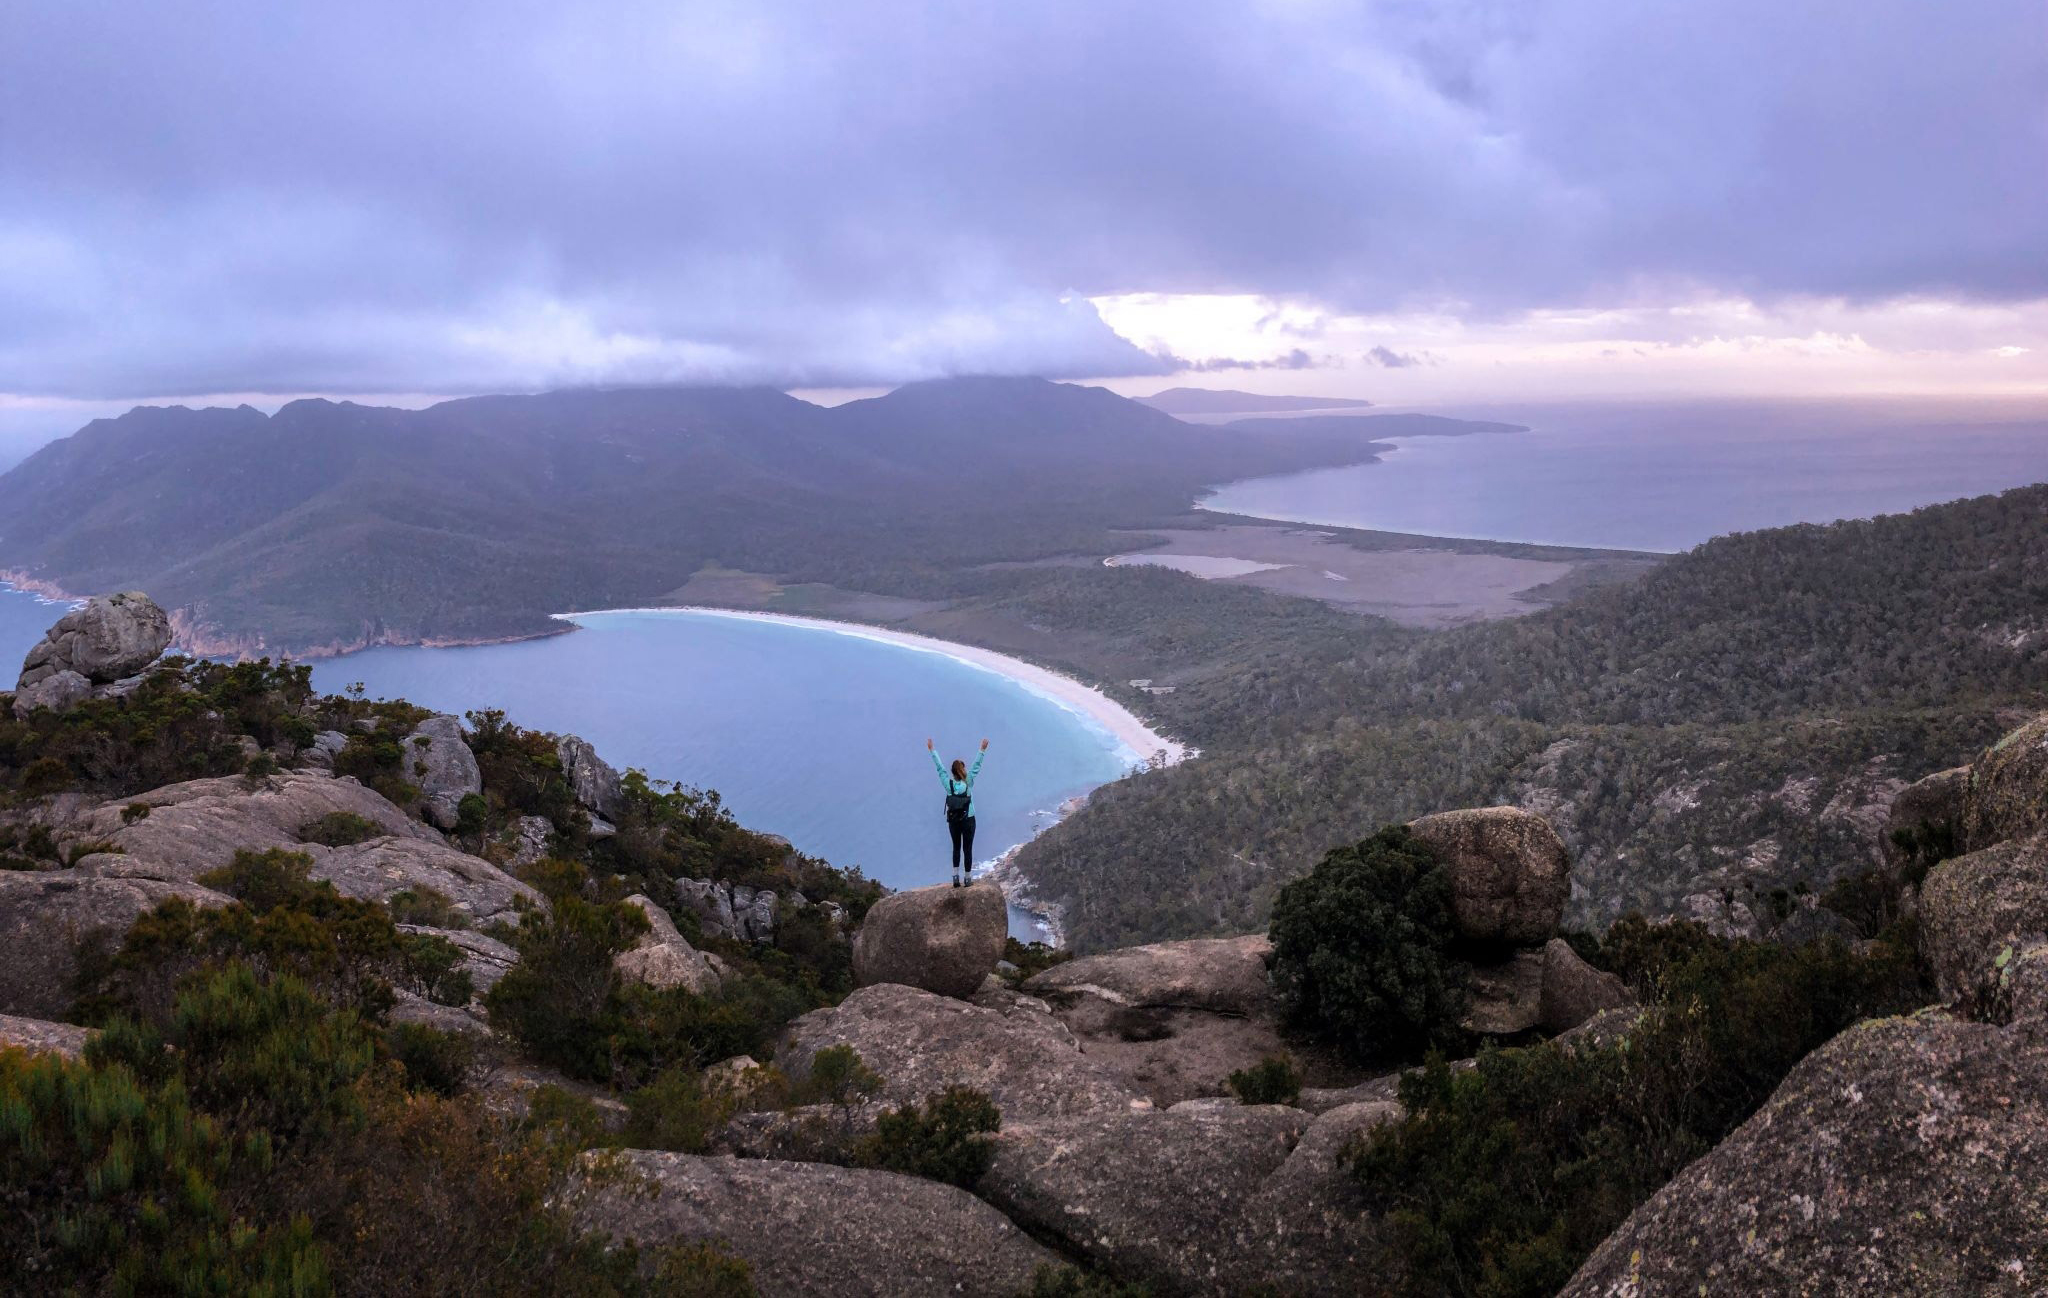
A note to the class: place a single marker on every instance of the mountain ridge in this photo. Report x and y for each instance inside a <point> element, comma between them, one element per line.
<point>332,524</point>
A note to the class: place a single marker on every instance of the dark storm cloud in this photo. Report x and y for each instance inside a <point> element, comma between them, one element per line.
<point>246,196</point>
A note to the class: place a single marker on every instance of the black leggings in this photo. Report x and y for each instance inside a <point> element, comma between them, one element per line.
<point>963,841</point>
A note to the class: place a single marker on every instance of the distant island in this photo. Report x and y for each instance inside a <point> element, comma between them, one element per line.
<point>1226,401</point>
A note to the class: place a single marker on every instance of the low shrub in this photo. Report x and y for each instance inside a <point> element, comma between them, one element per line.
<point>432,967</point>
<point>675,1111</point>
<point>1362,949</point>
<point>436,1061</point>
<point>1502,1178</point>
<point>339,829</point>
<point>947,1138</point>
<point>425,907</point>
<point>1270,1081</point>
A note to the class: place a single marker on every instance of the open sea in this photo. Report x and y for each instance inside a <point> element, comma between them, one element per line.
<point>1650,476</point>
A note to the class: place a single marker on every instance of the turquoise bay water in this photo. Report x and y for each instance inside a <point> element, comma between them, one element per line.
<point>1667,477</point>
<point>811,734</point>
<point>806,733</point>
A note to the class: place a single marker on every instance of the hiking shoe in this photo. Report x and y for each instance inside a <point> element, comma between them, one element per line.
<point>956,881</point>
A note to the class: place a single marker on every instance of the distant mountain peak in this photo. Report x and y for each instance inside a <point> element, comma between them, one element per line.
<point>1226,401</point>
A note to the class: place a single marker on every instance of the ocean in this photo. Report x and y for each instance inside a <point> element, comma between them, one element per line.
<point>809,734</point>
<point>1666,477</point>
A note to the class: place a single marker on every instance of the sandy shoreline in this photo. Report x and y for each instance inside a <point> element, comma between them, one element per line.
<point>1141,743</point>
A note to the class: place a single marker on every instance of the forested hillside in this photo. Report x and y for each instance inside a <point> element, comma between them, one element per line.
<point>330,525</point>
<point>1731,724</point>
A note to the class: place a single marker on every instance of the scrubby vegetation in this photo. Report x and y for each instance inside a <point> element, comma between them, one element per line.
<point>1363,949</point>
<point>1758,689</point>
<point>946,1138</point>
<point>1502,1178</point>
<point>1270,1081</point>
<point>246,1139</point>
<point>183,722</point>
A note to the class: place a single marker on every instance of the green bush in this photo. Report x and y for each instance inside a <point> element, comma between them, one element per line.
<point>115,1184</point>
<point>675,1112</point>
<point>433,1060</point>
<point>837,1077</point>
<point>339,829</point>
<point>557,1000</point>
<point>346,950</point>
<point>425,907</point>
<point>264,881</point>
<point>251,1149</point>
<point>433,968</point>
<point>1362,949</point>
<point>1502,1178</point>
<point>947,1138</point>
<point>1270,1081</point>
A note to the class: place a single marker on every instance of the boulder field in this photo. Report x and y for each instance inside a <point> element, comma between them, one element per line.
<point>1909,1155</point>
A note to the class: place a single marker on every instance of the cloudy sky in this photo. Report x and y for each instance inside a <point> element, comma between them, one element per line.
<point>1405,200</point>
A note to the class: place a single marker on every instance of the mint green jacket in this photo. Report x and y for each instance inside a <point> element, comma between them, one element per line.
<point>960,786</point>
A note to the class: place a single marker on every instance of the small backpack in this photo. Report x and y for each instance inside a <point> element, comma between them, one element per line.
<point>957,805</point>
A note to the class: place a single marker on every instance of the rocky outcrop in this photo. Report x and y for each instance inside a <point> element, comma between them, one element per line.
<point>485,959</point>
<point>1720,914</point>
<point>730,910</point>
<point>439,762</point>
<point>42,1037</point>
<point>1574,991</point>
<point>920,1042</point>
<point>1510,873</point>
<point>1506,999</point>
<point>1933,804</point>
<point>662,958</point>
<point>592,780</point>
<point>381,867</point>
<point>58,692</point>
<point>942,939</point>
<point>1977,911</point>
<point>43,917</point>
<point>198,826</point>
<point>326,746</point>
<point>1225,975</point>
<point>809,1228</point>
<point>1906,1156</point>
<point>530,841</point>
<point>2007,795</point>
<point>1173,1020</point>
<point>1204,1199</point>
<point>112,636</point>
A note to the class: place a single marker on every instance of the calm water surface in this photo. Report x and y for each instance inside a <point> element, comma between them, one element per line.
<point>806,733</point>
<point>809,734</point>
<point>1666,477</point>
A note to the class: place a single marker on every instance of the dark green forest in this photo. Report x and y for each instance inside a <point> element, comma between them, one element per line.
<point>1733,722</point>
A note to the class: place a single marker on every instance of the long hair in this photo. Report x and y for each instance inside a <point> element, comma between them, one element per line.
<point>959,769</point>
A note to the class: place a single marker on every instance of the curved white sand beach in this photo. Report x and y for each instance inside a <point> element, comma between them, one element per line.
<point>1140,742</point>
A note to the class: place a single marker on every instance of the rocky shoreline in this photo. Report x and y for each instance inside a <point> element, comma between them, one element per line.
<point>1005,873</point>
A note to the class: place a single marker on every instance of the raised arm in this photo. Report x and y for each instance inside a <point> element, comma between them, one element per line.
<point>975,770</point>
<point>937,765</point>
